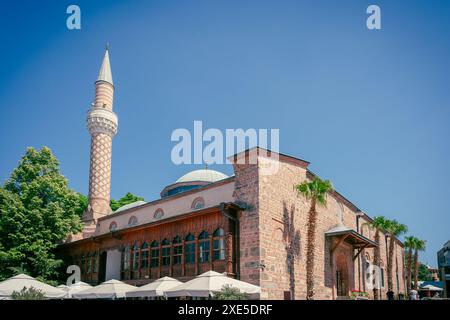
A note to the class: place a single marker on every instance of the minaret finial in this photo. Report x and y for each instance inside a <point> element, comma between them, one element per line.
<point>105,70</point>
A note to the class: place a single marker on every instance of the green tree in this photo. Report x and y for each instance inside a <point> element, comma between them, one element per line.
<point>83,202</point>
<point>37,212</point>
<point>423,274</point>
<point>126,199</point>
<point>315,191</point>
<point>380,224</point>
<point>229,292</point>
<point>395,229</point>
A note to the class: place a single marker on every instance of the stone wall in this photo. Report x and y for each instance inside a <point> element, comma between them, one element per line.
<point>274,228</point>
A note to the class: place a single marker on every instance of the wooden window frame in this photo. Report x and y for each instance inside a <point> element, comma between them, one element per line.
<point>219,237</point>
<point>204,241</point>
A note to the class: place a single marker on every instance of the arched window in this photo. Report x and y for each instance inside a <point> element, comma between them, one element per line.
<point>94,262</point>
<point>177,250</point>
<point>88,263</point>
<point>159,213</point>
<point>165,252</point>
<point>189,249</point>
<point>82,264</point>
<point>132,221</point>
<point>135,255</point>
<point>144,255</point>
<point>113,226</point>
<point>219,244</point>
<point>126,258</point>
<point>382,273</point>
<point>203,235</point>
<point>154,262</point>
<point>74,260</point>
<point>204,246</point>
<point>198,203</point>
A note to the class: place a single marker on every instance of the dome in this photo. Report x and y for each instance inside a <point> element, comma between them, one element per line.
<point>204,175</point>
<point>131,205</point>
<point>192,180</point>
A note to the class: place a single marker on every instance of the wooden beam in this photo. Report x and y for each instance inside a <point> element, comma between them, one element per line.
<point>337,244</point>
<point>359,251</point>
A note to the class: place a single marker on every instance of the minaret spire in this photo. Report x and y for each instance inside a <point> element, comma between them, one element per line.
<point>102,124</point>
<point>105,73</point>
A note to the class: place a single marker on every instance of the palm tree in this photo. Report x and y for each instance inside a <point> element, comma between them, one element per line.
<point>395,229</point>
<point>419,246</point>
<point>315,191</point>
<point>380,225</point>
<point>410,243</point>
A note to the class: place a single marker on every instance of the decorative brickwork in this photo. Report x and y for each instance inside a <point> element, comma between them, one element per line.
<point>102,124</point>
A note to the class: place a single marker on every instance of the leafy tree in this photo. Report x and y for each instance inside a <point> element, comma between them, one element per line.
<point>28,294</point>
<point>423,273</point>
<point>83,203</point>
<point>380,224</point>
<point>395,229</point>
<point>126,199</point>
<point>229,292</point>
<point>37,212</point>
<point>315,191</point>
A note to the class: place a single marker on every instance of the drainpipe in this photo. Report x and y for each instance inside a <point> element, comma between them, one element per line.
<point>359,214</point>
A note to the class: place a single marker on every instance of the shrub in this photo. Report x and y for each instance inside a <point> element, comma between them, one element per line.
<point>230,293</point>
<point>28,294</point>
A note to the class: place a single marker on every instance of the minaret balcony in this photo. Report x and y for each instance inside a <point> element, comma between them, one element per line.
<point>101,120</point>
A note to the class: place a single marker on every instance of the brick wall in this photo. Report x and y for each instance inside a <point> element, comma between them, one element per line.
<point>273,234</point>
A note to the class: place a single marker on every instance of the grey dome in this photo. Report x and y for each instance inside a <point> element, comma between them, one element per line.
<point>205,175</point>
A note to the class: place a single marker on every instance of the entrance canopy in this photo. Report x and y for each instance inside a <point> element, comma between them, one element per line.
<point>350,236</point>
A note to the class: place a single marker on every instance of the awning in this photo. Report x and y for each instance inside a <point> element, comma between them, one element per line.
<point>351,236</point>
<point>430,287</point>
<point>348,235</point>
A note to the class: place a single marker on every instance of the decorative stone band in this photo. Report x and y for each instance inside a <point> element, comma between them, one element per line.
<point>101,120</point>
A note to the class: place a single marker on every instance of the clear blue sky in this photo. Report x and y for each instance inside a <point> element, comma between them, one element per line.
<point>369,109</point>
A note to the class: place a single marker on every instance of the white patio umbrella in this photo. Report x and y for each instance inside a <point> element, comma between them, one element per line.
<point>110,289</point>
<point>74,288</point>
<point>17,283</point>
<point>430,287</point>
<point>208,283</point>
<point>154,289</point>
<point>63,287</point>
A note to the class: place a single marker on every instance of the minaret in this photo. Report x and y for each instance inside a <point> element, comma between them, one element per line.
<point>102,125</point>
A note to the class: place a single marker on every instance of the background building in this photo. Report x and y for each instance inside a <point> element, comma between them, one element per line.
<point>443,256</point>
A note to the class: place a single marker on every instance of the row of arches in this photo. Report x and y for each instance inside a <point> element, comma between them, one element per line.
<point>197,204</point>
<point>88,263</point>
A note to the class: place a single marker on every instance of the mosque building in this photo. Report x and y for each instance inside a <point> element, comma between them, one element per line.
<point>251,226</point>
